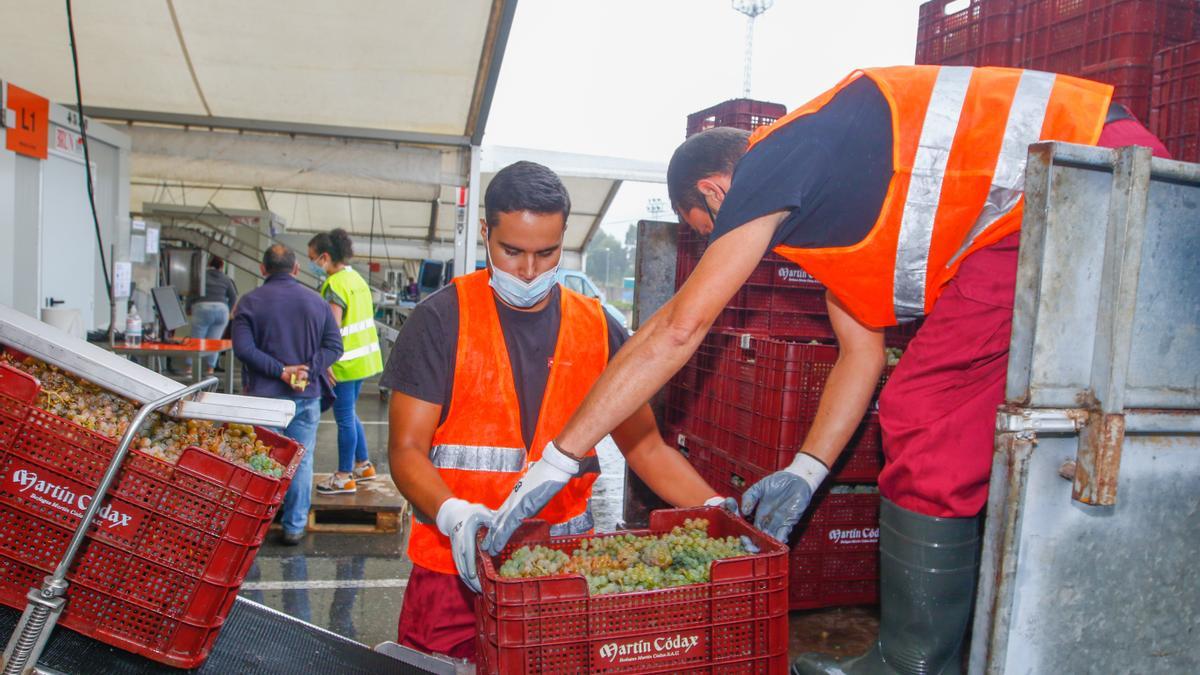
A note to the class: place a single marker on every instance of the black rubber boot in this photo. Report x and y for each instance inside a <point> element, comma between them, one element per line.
<point>927,573</point>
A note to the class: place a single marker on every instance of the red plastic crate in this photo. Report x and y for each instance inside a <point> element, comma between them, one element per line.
<point>160,569</point>
<point>835,558</point>
<point>736,623</point>
<point>1175,104</point>
<point>769,399</point>
<point>1111,41</point>
<point>978,34</point>
<point>740,113</point>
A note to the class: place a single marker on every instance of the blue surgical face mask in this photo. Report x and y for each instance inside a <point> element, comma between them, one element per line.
<point>316,269</point>
<point>519,293</point>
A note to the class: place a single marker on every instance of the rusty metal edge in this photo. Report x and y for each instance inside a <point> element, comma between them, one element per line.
<point>997,571</point>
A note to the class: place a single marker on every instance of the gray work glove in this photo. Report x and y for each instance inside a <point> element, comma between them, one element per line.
<point>779,500</point>
<point>530,495</point>
<point>460,520</point>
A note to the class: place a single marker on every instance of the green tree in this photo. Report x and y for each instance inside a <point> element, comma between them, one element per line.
<point>608,263</point>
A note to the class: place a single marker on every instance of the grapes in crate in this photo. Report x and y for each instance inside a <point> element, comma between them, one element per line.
<point>626,562</point>
<point>162,437</point>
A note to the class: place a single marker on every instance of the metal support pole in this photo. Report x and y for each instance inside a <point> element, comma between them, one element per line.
<point>466,227</point>
<point>46,604</point>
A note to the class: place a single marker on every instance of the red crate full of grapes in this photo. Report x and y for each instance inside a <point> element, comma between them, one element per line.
<point>736,622</point>
<point>161,566</point>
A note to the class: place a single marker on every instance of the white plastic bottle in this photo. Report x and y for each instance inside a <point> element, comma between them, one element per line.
<point>133,328</point>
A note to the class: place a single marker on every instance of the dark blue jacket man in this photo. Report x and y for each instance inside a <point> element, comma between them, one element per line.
<point>286,338</point>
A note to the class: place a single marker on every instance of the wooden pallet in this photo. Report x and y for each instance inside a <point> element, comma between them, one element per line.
<point>377,507</point>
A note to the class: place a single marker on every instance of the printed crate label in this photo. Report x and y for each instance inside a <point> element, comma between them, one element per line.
<point>846,536</point>
<point>685,645</point>
<point>29,483</point>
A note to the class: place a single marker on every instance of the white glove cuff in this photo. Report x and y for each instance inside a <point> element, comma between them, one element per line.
<point>448,514</point>
<point>808,468</point>
<point>569,466</point>
<point>715,500</point>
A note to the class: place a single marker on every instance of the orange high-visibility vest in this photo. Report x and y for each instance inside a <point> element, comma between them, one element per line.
<point>960,140</point>
<point>479,450</point>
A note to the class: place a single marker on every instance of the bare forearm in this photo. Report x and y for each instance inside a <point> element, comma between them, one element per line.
<point>418,480</point>
<point>669,475</point>
<point>843,403</point>
<point>641,368</point>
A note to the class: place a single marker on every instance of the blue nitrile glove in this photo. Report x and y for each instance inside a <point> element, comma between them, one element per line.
<point>530,495</point>
<point>460,520</point>
<point>779,500</point>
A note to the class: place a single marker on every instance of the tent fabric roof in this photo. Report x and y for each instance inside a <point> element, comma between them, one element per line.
<point>308,212</point>
<point>382,64</point>
<point>389,79</point>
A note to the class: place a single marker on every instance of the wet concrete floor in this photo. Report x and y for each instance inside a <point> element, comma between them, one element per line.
<point>353,584</point>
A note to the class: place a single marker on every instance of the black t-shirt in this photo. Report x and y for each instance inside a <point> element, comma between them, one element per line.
<point>831,169</point>
<point>422,362</point>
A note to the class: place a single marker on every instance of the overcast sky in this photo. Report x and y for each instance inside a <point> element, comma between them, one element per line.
<point>619,77</point>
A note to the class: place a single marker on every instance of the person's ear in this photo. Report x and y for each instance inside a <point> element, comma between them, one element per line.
<point>713,187</point>
<point>483,229</point>
<point>296,269</point>
<point>262,270</point>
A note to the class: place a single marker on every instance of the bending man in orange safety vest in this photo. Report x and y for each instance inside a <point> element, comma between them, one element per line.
<point>485,373</point>
<point>901,190</point>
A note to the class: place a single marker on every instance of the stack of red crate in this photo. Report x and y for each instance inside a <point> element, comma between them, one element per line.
<point>742,406</point>
<point>739,113</point>
<point>1175,105</point>
<point>1113,41</point>
<point>971,33</point>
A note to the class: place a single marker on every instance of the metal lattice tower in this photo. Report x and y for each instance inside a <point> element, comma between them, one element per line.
<point>751,8</point>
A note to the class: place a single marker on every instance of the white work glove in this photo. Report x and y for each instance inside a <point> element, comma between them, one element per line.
<point>530,495</point>
<point>728,503</point>
<point>460,520</point>
<point>779,500</point>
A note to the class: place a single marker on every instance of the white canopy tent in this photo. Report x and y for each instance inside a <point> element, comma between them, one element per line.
<point>325,114</point>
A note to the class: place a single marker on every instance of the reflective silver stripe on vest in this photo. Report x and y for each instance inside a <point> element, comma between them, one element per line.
<point>357,327</point>
<point>361,351</point>
<point>577,525</point>
<point>478,458</point>
<point>1023,129</point>
<point>925,189</point>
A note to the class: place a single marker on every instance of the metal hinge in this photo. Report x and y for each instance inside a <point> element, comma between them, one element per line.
<point>1034,421</point>
<point>1098,457</point>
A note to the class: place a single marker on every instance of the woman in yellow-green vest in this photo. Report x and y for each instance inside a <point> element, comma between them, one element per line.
<point>350,298</point>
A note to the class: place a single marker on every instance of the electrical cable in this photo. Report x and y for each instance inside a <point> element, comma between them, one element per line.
<point>87,160</point>
<point>383,234</point>
<point>371,243</point>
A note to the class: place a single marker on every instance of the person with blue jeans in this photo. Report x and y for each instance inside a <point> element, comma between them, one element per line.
<point>286,338</point>
<point>210,312</point>
<point>349,298</point>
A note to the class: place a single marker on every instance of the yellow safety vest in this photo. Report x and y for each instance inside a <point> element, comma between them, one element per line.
<point>361,357</point>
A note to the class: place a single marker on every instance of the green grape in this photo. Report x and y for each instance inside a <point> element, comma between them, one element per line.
<point>626,562</point>
<point>163,438</point>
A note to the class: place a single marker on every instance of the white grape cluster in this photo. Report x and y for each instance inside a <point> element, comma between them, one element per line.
<point>626,562</point>
<point>162,437</point>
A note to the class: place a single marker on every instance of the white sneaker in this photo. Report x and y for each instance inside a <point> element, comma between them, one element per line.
<point>365,472</point>
<point>333,485</point>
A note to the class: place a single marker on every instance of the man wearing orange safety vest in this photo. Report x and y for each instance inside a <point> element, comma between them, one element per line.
<point>901,190</point>
<point>484,374</point>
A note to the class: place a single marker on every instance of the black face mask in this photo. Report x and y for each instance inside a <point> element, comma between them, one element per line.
<point>712,217</point>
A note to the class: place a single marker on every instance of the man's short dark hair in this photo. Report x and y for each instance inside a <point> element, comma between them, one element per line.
<point>708,153</point>
<point>279,259</point>
<point>525,186</point>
